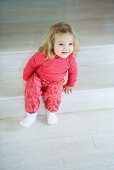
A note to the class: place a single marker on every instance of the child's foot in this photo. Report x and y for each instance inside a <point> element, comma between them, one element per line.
<point>28,120</point>
<point>51,118</point>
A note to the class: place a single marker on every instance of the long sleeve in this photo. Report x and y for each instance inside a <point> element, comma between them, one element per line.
<point>72,72</point>
<point>32,64</point>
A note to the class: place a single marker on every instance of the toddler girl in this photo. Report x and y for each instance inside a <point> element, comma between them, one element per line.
<point>45,71</point>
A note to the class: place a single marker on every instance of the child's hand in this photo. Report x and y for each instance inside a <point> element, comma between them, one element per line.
<point>25,82</point>
<point>67,89</point>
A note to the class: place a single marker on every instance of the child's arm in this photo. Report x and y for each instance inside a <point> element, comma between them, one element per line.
<point>72,72</point>
<point>72,76</point>
<point>31,65</point>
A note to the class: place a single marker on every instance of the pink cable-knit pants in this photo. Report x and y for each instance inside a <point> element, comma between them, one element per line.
<point>51,92</point>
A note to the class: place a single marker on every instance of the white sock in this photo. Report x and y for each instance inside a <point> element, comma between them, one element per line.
<point>29,119</point>
<point>51,118</point>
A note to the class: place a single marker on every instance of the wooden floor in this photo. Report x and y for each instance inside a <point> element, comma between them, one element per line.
<point>81,141</point>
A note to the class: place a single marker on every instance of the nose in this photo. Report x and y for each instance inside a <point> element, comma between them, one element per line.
<point>65,47</point>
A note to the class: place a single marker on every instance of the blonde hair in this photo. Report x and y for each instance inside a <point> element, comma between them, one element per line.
<point>48,44</point>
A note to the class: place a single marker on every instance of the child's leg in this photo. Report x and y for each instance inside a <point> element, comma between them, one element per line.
<point>52,96</point>
<point>52,99</point>
<point>32,94</point>
<point>32,100</point>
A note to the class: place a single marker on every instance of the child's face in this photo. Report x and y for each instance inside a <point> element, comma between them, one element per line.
<point>63,44</point>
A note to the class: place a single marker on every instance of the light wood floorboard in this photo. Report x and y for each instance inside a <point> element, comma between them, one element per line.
<point>81,141</point>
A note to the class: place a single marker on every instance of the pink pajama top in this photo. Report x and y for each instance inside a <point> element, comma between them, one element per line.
<point>51,69</point>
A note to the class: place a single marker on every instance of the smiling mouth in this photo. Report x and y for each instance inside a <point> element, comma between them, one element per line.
<point>64,52</point>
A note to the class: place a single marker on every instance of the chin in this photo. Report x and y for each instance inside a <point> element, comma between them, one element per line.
<point>65,55</point>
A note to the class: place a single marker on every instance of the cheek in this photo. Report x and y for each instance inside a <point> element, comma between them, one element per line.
<point>56,48</point>
<point>72,48</point>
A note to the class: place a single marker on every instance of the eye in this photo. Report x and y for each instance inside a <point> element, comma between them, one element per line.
<point>70,44</point>
<point>60,44</point>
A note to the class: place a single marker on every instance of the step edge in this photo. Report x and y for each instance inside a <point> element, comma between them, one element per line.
<point>75,91</point>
